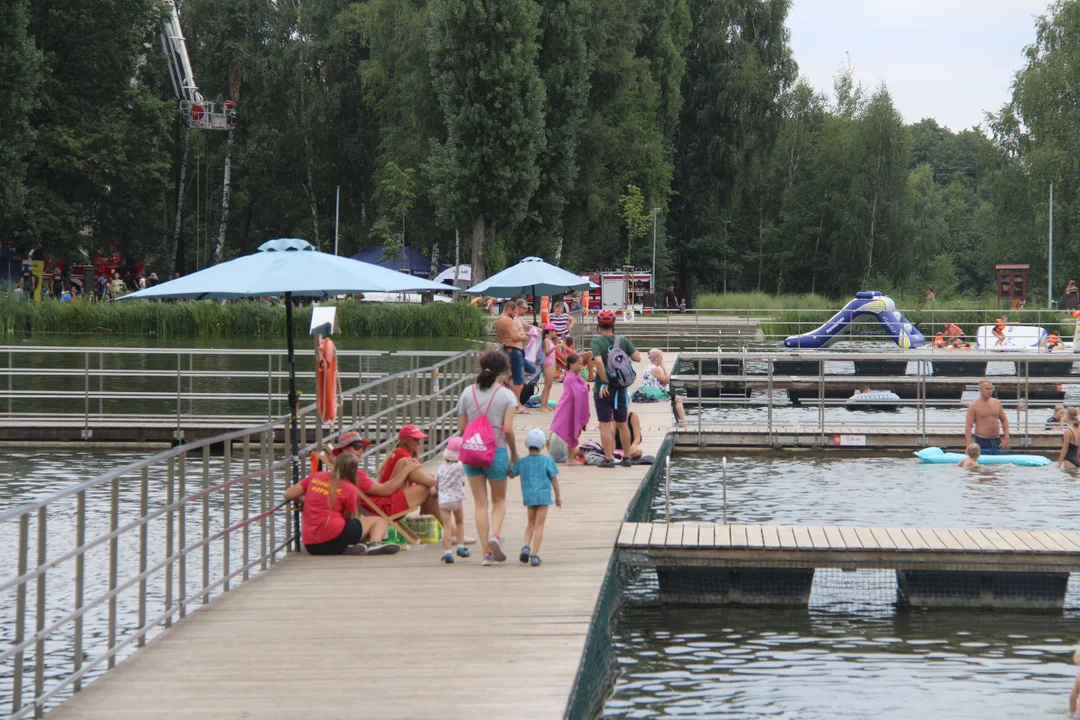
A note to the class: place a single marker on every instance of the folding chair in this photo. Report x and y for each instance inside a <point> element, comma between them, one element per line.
<point>413,539</point>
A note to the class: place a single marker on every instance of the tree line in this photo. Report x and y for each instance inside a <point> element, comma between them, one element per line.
<point>496,129</point>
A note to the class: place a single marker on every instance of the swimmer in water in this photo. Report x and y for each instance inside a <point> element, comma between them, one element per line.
<point>971,458</point>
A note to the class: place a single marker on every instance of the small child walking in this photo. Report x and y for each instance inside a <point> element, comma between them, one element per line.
<point>450,479</point>
<point>539,477</point>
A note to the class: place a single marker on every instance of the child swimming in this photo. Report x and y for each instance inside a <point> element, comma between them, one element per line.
<point>972,458</point>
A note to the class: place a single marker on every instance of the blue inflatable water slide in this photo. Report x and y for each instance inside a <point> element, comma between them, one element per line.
<point>870,302</point>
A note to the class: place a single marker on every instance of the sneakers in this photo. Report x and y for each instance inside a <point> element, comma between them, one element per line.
<point>489,559</point>
<point>462,551</point>
<point>607,463</point>
<point>496,548</point>
<point>535,560</point>
<point>448,557</point>
<point>626,462</point>
<point>358,549</point>
<point>382,548</point>
<point>524,556</point>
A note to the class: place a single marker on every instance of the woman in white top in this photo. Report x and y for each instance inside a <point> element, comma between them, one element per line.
<point>490,397</point>
<point>657,376</point>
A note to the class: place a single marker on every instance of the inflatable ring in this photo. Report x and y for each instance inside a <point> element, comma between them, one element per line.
<point>628,315</point>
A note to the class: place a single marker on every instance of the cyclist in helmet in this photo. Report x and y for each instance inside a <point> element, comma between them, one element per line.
<point>612,403</point>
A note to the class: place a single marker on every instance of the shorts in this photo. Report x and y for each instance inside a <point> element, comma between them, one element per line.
<point>518,365</point>
<point>452,506</point>
<point>615,406</point>
<point>498,469</point>
<point>988,446</point>
<point>350,535</point>
<point>392,505</point>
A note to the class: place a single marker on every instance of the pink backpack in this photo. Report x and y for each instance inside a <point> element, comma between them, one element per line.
<point>478,443</point>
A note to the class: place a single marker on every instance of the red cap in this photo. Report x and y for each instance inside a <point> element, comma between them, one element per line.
<point>351,438</point>
<point>410,431</point>
<point>606,317</point>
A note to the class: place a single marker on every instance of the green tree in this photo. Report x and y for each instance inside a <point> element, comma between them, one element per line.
<point>634,217</point>
<point>398,189</point>
<point>483,67</point>
<point>738,65</point>
<point>95,176</point>
<point>19,79</point>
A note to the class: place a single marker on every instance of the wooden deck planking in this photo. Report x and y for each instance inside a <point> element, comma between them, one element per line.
<point>898,538</point>
<point>738,536</point>
<point>256,652</point>
<point>1012,539</point>
<point>786,536</point>
<point>802,538</point>
<point>707,536</point>
<point>674,535</point>
<point>818,538</point>
<point>851,538</point>
<point>771,537</point>
<point>754,538</point>
<point>915,539</point>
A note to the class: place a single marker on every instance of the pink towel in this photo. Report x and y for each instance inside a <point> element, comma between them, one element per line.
<point>572,412</point>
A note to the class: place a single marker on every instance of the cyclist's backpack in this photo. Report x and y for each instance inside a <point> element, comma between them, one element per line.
<point>620,370</point>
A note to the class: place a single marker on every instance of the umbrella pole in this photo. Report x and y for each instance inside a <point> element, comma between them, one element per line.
<point>534,304</point>
<point>294,403</point>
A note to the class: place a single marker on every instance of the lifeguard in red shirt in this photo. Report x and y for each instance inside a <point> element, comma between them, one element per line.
<point>330,524</point>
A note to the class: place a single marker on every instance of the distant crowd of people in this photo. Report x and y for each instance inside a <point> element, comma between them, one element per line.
<point>106,287</point>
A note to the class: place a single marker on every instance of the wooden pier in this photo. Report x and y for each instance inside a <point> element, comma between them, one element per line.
<point>854,437</point>
<point>774,564</point>
<point>396,637</point>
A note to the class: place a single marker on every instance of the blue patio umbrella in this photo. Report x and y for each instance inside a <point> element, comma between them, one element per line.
<point>286,268</point>
<point>531,276</point>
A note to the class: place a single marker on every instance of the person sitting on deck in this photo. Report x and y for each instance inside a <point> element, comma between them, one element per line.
<point>634,452</point>
<point>420,482</point>
<point>657,376</point>
<point>971,456</point>
<point>330,525</point>
<point>1053,342</point>
<point>391,495</point>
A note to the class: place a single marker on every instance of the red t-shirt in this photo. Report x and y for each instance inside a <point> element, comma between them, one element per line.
<point>388,470</point>
<point>319,523</point>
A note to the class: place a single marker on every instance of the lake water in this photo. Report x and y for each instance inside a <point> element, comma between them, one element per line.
<point>852,653</point>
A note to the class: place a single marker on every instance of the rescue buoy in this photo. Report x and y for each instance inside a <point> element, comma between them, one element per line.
<point>545,310</point>
<point>326,379</point>
<point>628,315</point>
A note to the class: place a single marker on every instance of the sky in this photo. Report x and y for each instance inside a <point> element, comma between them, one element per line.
<point>951,60</point>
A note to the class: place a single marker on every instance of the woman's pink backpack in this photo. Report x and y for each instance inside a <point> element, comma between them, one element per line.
<point>478,443</point>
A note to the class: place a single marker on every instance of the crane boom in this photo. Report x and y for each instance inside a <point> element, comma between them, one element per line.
<point>199,114</point>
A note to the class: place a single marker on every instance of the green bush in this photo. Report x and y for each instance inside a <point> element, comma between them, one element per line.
<point>763,301</point>
<point>237,318</point>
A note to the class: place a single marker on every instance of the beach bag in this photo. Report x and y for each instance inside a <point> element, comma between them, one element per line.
<point>646,394</point>
<point>620,370</point>
<point>478,441</point>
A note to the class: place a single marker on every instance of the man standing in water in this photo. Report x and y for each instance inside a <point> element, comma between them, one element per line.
<point>987,417</point>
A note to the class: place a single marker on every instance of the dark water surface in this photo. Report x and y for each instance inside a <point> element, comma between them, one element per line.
<point>852,653</point>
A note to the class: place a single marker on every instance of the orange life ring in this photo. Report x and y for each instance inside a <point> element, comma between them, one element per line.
<point>326,378</point>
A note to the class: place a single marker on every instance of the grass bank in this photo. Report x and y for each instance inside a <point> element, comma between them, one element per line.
<point>237,319</point>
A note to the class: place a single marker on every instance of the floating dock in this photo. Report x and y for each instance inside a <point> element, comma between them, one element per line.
<point>740,564</point>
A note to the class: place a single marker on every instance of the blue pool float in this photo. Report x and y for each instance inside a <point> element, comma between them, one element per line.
<point>939,456</point>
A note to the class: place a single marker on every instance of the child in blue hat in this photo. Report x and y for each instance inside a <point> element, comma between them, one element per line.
<point>538,477</point>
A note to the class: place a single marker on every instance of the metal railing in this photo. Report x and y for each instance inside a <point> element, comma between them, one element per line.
<point>179,388</point>
<point>156,539</point>
<point>756,384</point>
<point>759,328</point>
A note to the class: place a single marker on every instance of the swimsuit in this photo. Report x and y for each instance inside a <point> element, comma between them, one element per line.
<point>1071,453</point>
<point>989,446</point>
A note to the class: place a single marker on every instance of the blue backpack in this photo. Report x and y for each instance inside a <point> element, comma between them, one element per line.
<point>620,369</point>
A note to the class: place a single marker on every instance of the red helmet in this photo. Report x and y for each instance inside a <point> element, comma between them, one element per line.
<point>606,317</point>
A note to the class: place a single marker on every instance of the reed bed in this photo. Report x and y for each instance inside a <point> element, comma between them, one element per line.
<point>236,318</point>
